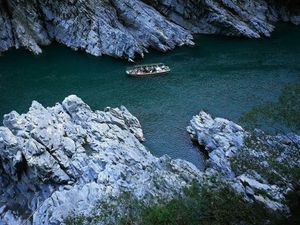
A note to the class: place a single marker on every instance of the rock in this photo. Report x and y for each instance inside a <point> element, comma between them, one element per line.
<point>9,217</point>
<point>295,20</point>
<point>252,19</point>
<point>62,160</point>
<point>257,165</point>
<point>128,28</point>
<point>24,25</point>
<point>220,137</point>
<point>117,28</point>
<point>131,122</point>
<point>6,34</point>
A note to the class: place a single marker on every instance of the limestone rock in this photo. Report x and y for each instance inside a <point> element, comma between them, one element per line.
<point>247,18</point>
<point>116,28</point>
<point>220,137</point>
<point>128,28</point>
<point>61,160</point>
<point>258,165</point>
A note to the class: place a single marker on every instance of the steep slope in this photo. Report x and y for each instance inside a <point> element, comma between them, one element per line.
<point>248,18</point>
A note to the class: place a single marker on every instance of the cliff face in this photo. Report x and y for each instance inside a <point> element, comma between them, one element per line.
<point>248,18</point>
<point>128,28</point>
<point>62,160</point>
<point>116,28</point>
<point>66,159</point>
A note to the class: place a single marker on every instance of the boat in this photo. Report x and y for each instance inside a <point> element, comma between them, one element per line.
<point>148,69</point>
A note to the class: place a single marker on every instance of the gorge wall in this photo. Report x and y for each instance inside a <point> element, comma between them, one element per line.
<point>128,28</point>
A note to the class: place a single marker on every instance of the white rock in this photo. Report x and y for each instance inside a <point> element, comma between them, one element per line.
<point>127,29</point>
<point>223,140</point>
<point>64,159</point>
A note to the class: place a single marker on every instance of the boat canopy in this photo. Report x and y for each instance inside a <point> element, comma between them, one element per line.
<point>148,69</point>
<point>145,65</point>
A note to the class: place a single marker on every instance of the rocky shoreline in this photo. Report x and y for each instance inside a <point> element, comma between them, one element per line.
<point>63,160</point>
<point>262,167</point>
<point>126,29</point>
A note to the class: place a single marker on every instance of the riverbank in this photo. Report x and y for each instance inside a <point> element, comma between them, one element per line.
<point>70,164</point>
<point>128,29</point>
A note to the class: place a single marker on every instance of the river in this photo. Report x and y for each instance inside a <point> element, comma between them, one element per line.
<point>224,76</point>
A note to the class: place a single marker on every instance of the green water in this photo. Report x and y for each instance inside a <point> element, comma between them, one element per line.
<point>224,76</point>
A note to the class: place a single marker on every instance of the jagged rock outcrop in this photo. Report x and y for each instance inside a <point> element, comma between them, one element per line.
<point>260,166</point>
<point>63,160</point>
<point>128,28</point>
<point>247,18</point>
<point>116,28</point>
<point>220,137</point>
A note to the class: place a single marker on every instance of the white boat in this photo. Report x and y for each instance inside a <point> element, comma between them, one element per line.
<point>148,69</point>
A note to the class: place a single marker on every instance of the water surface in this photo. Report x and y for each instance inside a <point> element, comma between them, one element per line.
<point>226,77</point>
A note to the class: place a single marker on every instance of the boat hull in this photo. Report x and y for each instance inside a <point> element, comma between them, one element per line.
<point>148,74</point>
<point>148,70</point>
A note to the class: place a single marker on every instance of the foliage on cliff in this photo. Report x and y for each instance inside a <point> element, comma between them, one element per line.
<point>213,203</point>
<point>273,161</point>
<point>279,115</point>
<point>289,3</point>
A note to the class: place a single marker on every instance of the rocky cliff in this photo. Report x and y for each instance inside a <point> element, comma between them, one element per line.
<point>261,167</point>
<point>67,159</point>
<point>62,160</point>
<point>128,28</point>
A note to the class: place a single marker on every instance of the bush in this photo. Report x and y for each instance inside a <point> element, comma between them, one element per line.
<point>209,205</point>
<point>214,204</point>
<point>277,164</point>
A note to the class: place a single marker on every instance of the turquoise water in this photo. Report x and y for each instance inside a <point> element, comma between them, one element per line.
<point>226,77</point>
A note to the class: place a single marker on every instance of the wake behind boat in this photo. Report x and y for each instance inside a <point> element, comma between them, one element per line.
<point>148,69</point>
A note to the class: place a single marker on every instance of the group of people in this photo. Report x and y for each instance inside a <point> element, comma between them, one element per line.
<point>148,69</point>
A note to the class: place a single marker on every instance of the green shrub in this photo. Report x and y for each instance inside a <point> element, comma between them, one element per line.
<point>275,164</point>
<point>209,205</point>
<point>76,220</point>
<point>293,200</point>
<point>214,204</point>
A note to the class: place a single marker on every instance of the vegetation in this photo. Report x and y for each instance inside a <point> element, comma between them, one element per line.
<point>273,163</point>
<point>293,200</point>
<point>215,203</point>
<point>292,4</point>
<point>285,113</point>
<point>211,204</point>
